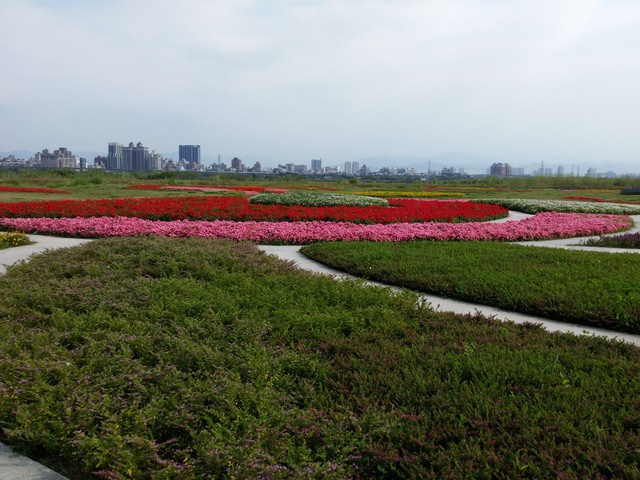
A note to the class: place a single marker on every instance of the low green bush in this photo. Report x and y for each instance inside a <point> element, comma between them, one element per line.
<point>193,358</point>
<point>626,240</point>
<point>590,288</point>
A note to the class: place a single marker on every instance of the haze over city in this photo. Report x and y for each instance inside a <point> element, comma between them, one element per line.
<point>342,80</point>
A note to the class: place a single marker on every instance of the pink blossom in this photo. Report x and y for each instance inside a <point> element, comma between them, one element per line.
<point>546,225</point>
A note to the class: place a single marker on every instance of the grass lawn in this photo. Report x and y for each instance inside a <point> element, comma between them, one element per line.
<point>190,358</point>
<point>590,288</point>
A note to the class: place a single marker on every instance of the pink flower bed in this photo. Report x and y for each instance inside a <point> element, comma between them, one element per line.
<point>538,227</point>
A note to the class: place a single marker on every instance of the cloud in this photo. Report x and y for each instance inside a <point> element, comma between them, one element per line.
<point>336,78</point>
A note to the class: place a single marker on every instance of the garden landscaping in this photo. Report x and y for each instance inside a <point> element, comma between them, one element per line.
<point>589,288</point>
<point>153,357</point>
<point>566,206</point>
<point>201,357</point>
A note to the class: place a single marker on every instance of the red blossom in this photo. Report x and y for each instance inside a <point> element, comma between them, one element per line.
<point>239,209</point>
<point>582,199</point>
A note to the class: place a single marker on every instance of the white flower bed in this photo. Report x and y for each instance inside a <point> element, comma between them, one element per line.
<point>563,206</point>
<point>317,199</point>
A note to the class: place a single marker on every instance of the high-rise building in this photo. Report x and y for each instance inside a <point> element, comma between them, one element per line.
<point>347,168</point>
<point>114,156</point>
<point>60,158</point>
<point>135,157</point>
<point>316,165</point>
<point>189,153</point>
<point>132,157</point>
<point>500,169</point>
<point>236,164</point>
<point>355,168</point>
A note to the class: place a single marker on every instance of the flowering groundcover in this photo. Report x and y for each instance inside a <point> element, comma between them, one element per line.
<point>239,209</point>
<point>567,206</point>
<point>318,199</point>
<point>541,226</point>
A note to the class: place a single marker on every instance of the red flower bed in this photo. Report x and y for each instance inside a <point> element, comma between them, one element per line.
<point>582,199</point>
<point>31,190</point>
<point>239,209</point>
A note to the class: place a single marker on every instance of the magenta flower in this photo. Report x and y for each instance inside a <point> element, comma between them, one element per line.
<point>538,227</point>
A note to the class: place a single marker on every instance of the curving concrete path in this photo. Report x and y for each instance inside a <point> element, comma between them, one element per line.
<point>14,466</point>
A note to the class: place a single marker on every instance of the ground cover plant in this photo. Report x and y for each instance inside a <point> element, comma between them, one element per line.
<point>590,288</point>
<point>13,239</point>
<point>410,194</point>
<point>239,209</point>
<point>31,190</point>
<point>193,358</point>
<point>626,240</point>
<point>317,199</point>
<point>582,198</point>
<point>542,226</point>
<point>567,206</point>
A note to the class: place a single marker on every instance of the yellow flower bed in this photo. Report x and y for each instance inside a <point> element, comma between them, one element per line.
<point>13,239</point>
<point>401,194</point>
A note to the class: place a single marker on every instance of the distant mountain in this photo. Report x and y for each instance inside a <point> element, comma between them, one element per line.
<point>30,154</point>
<point>470,163</point>
<point>18,154</point>
<point>90,155</point>
<point>479,164</point>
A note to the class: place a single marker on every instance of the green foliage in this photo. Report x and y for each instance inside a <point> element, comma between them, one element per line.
<point>626,240</point>
<point>591,288</point>
<point>194,358</point>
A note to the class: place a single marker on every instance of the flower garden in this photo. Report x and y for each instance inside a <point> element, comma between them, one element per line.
<point>567,206</point>
<point>280,218</point>
<point>147,356</point>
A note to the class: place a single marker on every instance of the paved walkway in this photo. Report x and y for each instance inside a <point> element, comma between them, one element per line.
<point>17,467</point>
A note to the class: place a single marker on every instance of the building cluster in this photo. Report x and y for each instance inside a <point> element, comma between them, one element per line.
<point>505,170</point>
<point>500,170</point>
<point>60,158</point>
<point>138,158</point>
<point>130,158</point>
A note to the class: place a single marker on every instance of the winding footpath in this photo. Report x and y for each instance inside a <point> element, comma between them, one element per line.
<point>17,467</point>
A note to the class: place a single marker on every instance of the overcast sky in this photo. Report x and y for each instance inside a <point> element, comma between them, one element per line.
<point>336,79</point>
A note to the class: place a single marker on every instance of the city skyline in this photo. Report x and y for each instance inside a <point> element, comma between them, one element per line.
<point>288,81</point>
<point>137,157</point>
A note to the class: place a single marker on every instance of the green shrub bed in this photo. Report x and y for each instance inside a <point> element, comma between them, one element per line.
<point>317,199</point>
<point>590,288</point>
<point>195,358</point>
<point>626,240</point>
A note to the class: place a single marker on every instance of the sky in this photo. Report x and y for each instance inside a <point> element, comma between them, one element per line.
<point>292,80</point>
